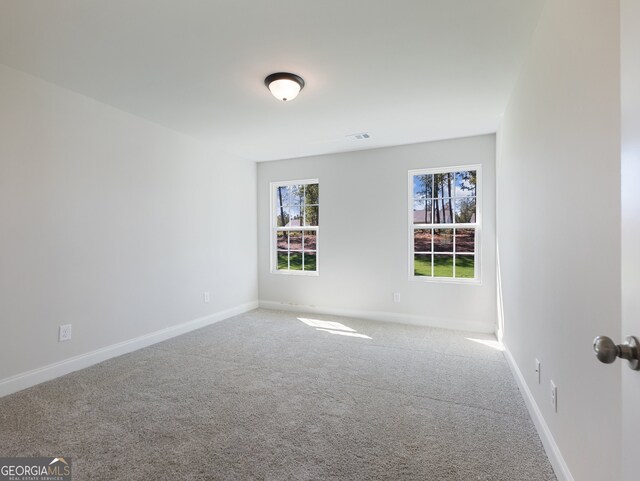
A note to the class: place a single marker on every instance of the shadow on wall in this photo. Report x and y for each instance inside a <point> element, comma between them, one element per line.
<point>499,300</point>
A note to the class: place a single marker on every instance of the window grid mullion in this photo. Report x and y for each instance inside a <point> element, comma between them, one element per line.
<point>454,252</point>
<point>295,205</point>
<point>437,196</point>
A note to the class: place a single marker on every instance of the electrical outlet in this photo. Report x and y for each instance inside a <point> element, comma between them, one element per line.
<point>207,296</point>
<point>64,333</point>
<point>554,397</point>
<point>396,297</point>
<point>538,370</point>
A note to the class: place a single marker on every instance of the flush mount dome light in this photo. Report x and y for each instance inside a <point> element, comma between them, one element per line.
<point>284,86</point>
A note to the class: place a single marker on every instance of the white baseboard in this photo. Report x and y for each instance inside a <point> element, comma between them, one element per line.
<point>36,376</point>
<point>426,321</point>
<point>553,451</point>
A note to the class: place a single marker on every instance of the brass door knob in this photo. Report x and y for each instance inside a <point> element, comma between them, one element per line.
<point>607,351</point>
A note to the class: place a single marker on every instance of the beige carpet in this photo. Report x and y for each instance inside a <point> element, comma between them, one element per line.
<point>267,396</point>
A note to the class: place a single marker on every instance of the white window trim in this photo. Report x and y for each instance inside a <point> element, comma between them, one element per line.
<point>478,226</point>
<point>273,251</point>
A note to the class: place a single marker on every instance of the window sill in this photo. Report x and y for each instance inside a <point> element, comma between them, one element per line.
<point>446,280</point>
<point>295,273</point>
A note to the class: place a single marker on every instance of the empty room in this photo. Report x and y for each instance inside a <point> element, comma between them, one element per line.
<point>336,240</point>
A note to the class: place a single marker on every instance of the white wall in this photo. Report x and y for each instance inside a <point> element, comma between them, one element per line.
<point>364,237</point>
<point>110,223</point>
<point>558,178</point>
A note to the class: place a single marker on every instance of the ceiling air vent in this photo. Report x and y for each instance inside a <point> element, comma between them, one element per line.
<point>361,136</point>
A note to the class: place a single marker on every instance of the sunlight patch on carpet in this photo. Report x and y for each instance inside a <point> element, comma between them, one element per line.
<point>332,327</point>
<point>497,345</point>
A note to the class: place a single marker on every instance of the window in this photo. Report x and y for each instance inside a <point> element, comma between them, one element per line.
<point>294,227</point>
<point>444,224</point>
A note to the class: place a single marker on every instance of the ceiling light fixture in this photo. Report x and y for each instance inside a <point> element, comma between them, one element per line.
<point>284,86</point>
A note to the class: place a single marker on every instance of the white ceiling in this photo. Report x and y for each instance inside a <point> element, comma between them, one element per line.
<point>404,70</point>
